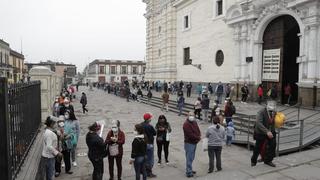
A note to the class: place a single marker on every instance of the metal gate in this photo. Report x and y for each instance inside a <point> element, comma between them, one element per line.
<point>20,119</point>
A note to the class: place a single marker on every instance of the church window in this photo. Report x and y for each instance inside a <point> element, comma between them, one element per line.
<point>186,56</point>
<point>219,7</point>
<point>219,58</point>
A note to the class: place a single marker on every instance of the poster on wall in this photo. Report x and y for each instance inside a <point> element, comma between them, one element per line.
<point>271,65</point>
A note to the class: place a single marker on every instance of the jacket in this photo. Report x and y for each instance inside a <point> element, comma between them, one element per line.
<point>120,142</point>
<point>260,91</point>
<point>50,144</point>
<point>96,146</point>
<point>205,103</point>
<point>165,97</point>
<point>149,131</point>
<point>83,99</point>
<point>162,135</point>
<point>191,132</point>
<point>139,147</point>
<point>263,123</point>
<point>215,136</point>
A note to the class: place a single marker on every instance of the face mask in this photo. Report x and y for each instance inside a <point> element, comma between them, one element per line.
<point>66,105</point>
<point>271,106</point>
<point>61,124</point>
<point>191,118</point>
<point>135,132</point>
<point>114,129</point>
<point>66,116</point>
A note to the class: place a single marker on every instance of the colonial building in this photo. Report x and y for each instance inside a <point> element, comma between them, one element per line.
<point>273,42</point>
<point>16,60</point>
<point>68,71</point>
<point>115,71</point>
<point>6,69</point>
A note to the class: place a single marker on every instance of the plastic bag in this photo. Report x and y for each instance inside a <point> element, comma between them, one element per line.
<point>205,144</point>
<point>168,136</point>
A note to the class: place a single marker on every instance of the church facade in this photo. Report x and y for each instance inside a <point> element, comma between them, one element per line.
<point>268,42</point>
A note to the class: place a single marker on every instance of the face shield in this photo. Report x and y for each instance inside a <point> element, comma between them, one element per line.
<point>271,105</point>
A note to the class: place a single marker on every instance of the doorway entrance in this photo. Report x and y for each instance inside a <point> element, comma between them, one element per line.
<point>281,35</point>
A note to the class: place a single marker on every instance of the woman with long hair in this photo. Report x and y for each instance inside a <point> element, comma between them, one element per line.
<point>163,129</point>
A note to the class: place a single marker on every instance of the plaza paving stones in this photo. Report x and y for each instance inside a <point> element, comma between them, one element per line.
<point>235,159</point>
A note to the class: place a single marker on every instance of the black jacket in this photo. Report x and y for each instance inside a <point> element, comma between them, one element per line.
<point>83,99</point>
<point>149,131</point>
<point>263,123</point>
<point>96,145</point>
<point>139,147</point>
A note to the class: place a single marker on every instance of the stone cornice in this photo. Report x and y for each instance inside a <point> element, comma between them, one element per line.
<point>178,3</point>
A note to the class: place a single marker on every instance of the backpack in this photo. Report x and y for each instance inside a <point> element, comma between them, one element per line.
<point>233,109</point>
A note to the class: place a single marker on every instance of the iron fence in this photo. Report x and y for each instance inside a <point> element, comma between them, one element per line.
<point>20,113</point>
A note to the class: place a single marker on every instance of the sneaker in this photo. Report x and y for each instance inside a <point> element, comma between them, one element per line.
<point>190,175</point>
<point>69,172</point>
<point>63,165</point>
<point>57,174</point>
<point>270,164</point>
<point>152,175</point>
<point>167,162</point>
<point>74,164</point>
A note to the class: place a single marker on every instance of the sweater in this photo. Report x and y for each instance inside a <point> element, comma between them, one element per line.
<point>139,147</point>
<point>50,144</point>
<point>191,132</point>
<point>215,136</point>
<point>120,142</point>
<point>97,148</point>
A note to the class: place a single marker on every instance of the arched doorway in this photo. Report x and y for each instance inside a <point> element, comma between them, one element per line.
<point>280,51</point>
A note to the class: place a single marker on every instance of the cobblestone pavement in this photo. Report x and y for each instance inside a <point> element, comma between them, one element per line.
<point>235,159</point>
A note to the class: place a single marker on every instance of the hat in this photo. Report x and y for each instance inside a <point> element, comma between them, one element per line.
<point>230,124</point>
<point>61,118</point>
<point>147,116</point>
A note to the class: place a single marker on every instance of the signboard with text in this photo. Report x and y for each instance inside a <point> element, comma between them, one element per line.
<point>271,65</point>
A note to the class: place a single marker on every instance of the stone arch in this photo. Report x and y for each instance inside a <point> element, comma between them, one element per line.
<point>233,12</point>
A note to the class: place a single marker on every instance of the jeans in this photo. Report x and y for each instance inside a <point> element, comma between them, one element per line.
<point>205,114</point>
<point>219,98</point>
<point>188,92</point>
<point>180,106</point>
<point>150,158</point>
<point>73,152</point>
<point>214,151</point>
<point>119,166</point>
<point>140,167</point>
<point>190,150</point>
<point>97,168</point>
<point>49,167</point>
<point>229,140</point>
<point>165,145</point>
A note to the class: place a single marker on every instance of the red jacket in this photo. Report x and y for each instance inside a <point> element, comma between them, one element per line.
<point>260,91</point>
<point>191,131</point>
<point>120,142</point>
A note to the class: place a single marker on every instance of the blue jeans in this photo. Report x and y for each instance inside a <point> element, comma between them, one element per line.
<point>180,106</point>
<point>190,150</point>
<point>50,167</point>
<point>229,140</point>
<point>219,98</point>
<point>140,167</point>
<point>150,158</point>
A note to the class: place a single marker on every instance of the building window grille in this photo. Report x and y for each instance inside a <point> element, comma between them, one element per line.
<point>134,70</point>
<point>219,7</point>
<point>113,69</point>
<point>124,70</point>
<point>186,56</point>
<point>219,58</point>
<point>101,70</point>
<point>186,22</point>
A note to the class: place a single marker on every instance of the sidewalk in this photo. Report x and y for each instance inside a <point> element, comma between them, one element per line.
<point>235,159</point>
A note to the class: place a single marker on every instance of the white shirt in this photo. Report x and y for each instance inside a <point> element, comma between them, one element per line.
<point>50,144</point>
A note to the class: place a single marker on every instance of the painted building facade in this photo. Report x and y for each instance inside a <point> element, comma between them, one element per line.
<point>269,42</point>
<point>104,71</point>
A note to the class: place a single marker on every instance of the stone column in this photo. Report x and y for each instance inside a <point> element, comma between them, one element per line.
<point>243,47</point>
<point>312,55</point>
<point>237,69</point>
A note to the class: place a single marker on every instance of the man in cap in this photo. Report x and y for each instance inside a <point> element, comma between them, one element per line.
<point>150,133</point>
<point>265,135</point>
<point>192,136</point>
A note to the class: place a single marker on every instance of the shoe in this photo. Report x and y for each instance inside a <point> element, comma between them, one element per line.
<point>210,171</point>
<point>74,164</point>
<point>167,162</point>
<point>152,175</point>
<point>57,174</point>
<point>253,164</point>
<point>190,175</point>
<point>260,160</point>
<point>219,170</point>
<point>69,172</point>
<point>194,172</point>
<point>270,164</point>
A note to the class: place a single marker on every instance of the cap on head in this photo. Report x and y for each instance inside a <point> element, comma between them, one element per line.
<point>147,116</point>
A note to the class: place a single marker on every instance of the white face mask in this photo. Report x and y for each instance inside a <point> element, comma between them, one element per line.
<point>67,105</point>
<point>61,124</point>
<point>66,116</point>
<point>191,118</point>
<point>114,129</point>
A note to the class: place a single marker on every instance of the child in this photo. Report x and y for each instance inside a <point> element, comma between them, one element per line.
<point>230,133</point>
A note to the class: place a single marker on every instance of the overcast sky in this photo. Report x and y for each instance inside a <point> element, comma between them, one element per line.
<point>74,31</point>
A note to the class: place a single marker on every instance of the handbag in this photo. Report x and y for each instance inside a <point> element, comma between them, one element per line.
<point>113,149</point>
<point>168,136</point>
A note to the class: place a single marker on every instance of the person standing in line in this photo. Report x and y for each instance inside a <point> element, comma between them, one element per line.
<point>230,132</point>
<point>115,139</point>
<point>66,106</point>
<point>215,135</point>
<point>265,134</point>
<point>50,149</point>
<point>260,93</point>
<point>56,107</point>
<point>245,93</point>
<point>288,93</point>
<point>189,87</point>
<point>199,90</point>
<point>97,151</point>
<point>165,101</point>
<point>205,102</point>
<point>228,90</point>
<point>163,129</point>
<point>229,110</point>
<point>127,92</point>
<point>197,107</point>
<point>180,104</point>
<point>72,127</point>
<point>83,101</point>
<point>150,133</point>
<point>149,95</point>
<point>138,152</point>
<point>192,136</point>
<point>219,92</point>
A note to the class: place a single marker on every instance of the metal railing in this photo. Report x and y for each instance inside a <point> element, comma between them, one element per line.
<point>20,114</point>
